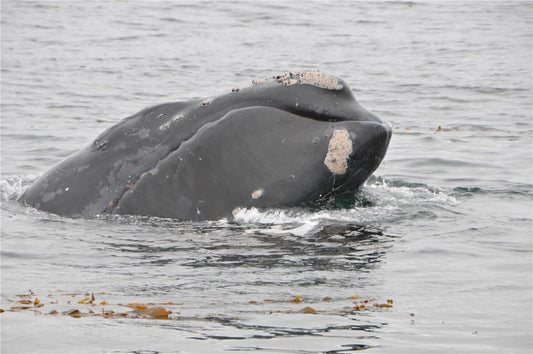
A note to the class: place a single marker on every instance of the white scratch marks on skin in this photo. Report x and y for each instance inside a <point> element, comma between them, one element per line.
<point>48,196</point>
<point>82,168</point>
<point>339,151</point>
<point>258,193</point>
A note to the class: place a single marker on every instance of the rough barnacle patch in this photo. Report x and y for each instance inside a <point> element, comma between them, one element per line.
<point>258,193</point>
<point>259,82</point>
<point>178,117</point>
<point>339,151</point>
<point>315,78</point>
<point>174,119</point>
<point>289,81</point>
<point>207,101</point>
<point>164,126</point>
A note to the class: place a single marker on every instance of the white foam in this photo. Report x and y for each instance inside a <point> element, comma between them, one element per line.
<point>388,203</point>
<point>11,188</point>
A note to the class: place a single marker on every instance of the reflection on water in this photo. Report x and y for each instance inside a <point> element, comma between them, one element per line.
<point>226,281</point>
<point>300,273</point>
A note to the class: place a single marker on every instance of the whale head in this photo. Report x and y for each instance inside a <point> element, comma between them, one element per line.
<point>286,141</point>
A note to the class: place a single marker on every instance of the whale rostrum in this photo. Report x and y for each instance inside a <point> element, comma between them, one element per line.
<point>285,141</point>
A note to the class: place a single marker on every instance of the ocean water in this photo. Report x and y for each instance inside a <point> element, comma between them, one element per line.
<point>434,256</point>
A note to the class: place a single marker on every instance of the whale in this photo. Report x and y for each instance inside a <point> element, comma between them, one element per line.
<point>287,141</point>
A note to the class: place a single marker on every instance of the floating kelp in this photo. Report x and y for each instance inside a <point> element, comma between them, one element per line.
<point>86,304</point>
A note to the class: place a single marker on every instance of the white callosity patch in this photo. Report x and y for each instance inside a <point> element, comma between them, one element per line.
<point>174,119</point>
<point>339,151</point>
<point>178,117</point>
<point>258,193</point>
<point>164,126</point>
<point>315,78</point>
<point>207,101</point>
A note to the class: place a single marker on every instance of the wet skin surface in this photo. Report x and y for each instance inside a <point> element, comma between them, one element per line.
<point>286,141</point>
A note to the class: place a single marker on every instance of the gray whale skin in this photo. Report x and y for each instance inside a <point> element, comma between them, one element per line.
<point>285,141</point>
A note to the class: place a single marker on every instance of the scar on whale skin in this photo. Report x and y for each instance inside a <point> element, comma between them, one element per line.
<point>339,151</point>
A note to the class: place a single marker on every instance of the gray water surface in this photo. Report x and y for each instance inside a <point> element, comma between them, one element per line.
<point>443,230</point>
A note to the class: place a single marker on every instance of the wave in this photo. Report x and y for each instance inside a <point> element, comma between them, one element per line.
<point>380,201</point>
<point>11,188</point>
<point>375,201</point>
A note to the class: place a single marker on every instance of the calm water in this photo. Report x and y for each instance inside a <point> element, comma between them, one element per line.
<point>443,229</point>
